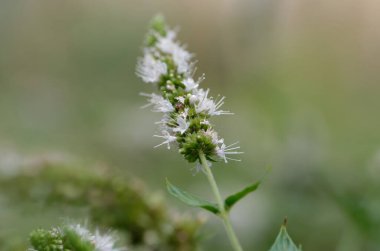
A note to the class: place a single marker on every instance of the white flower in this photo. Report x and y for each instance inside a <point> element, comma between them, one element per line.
<point>168,138</point>
<point>214,136</point>
<point>159,103</point>
<point>207,105</point>
<point>181,99</point>
<point>83,232</point>
<point>193,98</point>
<point>181,57</point>
<point>104,242</point>
<point>150,69</point>
<point>214,110</point>
<point>100,242</point>
<point>183,125</point>
<point>167,44</point>
<point>205,122</point>
<point>190,84</point>
<point>224,150</point>
<point>204,104</point>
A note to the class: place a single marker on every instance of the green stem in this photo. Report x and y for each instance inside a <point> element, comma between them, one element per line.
<point>223,213</point>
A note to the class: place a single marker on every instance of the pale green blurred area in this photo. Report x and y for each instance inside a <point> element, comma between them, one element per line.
<point>302,78</point>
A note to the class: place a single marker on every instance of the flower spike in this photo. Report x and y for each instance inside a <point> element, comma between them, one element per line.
<point>186,108</point>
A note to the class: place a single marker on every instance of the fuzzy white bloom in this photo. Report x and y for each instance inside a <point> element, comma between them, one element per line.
<point>168,138</point>
<point>83,232</point>
<point>183,125</point>
<point>150,69</point>
<point>104,242</point>
<point>192,99</point>
<point>204,104</point>
<point>190,84</point>
<point>205,122</point>
<point>181,99</point>
<point>207,105</point>
<point>167,44</point>
<point>223,150</point>
<point>159,103</point>
<point>100,242</point>
<point>214,136</point>
<point>181,57</point>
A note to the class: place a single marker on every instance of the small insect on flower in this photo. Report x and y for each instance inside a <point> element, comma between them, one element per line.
<point>186,108</point>
<point>179,106</point>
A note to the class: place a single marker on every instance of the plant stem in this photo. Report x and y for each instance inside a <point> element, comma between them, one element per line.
<point>223,213</point>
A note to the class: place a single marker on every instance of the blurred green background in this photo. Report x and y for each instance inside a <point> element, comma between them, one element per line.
<point>301,76</point>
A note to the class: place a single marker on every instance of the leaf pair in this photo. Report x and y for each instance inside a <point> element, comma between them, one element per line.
<point>283,241</point>
<point>195,201</point>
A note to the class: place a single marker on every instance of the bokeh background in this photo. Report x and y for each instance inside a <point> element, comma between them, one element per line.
<point>301,76</point>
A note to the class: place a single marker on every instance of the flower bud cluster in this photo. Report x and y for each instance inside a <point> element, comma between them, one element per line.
<point>71,237</point>
<point>186,108</point>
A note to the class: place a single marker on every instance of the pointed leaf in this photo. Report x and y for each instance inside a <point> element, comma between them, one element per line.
<point>232,199</point>
<point>284,242</point>
<point>190,199</point>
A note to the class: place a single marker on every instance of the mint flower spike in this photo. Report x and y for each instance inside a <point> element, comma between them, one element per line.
<point>186,108</point>
<point>101,242</point>
<point>71,237</point>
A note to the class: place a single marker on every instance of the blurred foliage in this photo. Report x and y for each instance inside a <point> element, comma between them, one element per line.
<point>56,240</point>
<point>302,78</point>
<point>361,205</point>
<point>110,201</point>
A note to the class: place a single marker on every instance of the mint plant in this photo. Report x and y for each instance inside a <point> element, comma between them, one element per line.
<point>186,112</point>
<point>71,238</point>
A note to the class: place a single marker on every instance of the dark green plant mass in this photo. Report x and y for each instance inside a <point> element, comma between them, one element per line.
<point>121,204</point>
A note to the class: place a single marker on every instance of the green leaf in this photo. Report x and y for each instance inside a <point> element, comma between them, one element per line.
<point>232,199</point>
<point>284,242</point>
<point>190,199</point>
